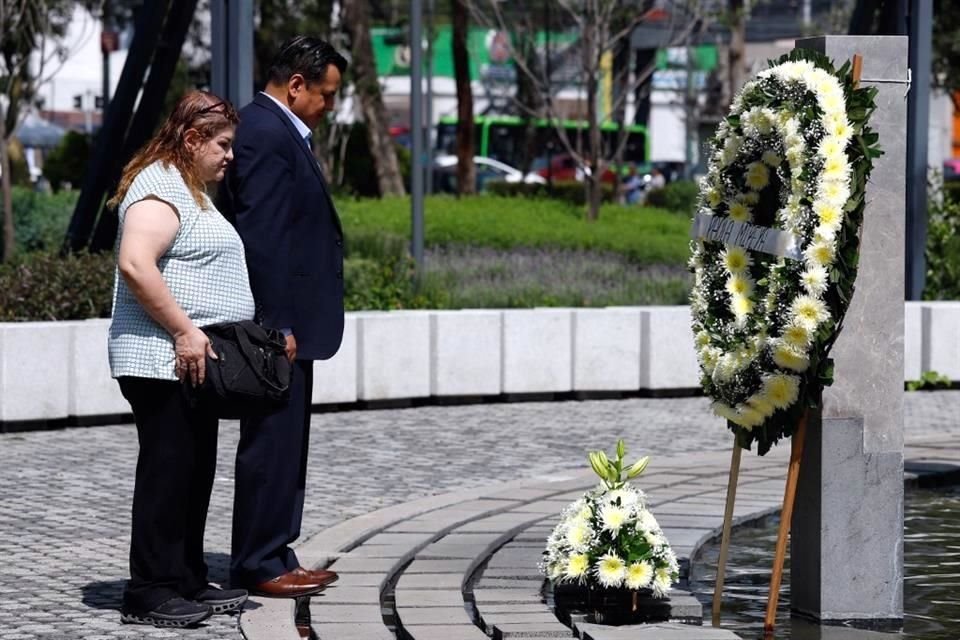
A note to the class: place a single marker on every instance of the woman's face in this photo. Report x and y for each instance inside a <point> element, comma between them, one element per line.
<point>213,154</point>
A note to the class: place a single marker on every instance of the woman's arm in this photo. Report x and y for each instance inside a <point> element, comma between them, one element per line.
<point>149,227</point>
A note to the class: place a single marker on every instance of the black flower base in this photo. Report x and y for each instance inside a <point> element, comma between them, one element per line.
<point>610,606</point>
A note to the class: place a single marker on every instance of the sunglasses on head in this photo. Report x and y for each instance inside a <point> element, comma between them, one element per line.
<point>212,107</point>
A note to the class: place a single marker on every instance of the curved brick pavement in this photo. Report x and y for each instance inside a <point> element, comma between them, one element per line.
<point>65,495</point>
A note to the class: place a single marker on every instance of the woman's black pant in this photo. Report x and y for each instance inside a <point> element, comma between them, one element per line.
<point>175,470</point>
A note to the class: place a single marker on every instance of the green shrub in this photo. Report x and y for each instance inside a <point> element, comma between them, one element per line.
<point>380,285</point>
<point>645,236</point>
<point>41,219</point>
<point>929,381</point>
<point>68,161</point>
<point>679,196</point>
<point>568,191</point>
<point>943,250</point>
<point>46,286</point>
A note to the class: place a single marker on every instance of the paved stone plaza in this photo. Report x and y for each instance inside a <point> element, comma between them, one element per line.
<point>64,512</point>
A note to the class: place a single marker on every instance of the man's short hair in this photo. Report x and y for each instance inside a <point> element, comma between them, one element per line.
<point>307,56</point>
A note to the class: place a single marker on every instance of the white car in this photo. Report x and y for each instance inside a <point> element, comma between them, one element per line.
<point>488,169</point>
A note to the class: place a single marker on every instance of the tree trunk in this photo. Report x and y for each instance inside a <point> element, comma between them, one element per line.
<point>466,171</point>
<point>8,228</point>
<point>356,21</point>
<point>529,96</point>
<point>592,68</point>
<point>738,39</point>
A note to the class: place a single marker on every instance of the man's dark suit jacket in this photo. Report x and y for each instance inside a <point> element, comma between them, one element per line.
<point>277,198</point>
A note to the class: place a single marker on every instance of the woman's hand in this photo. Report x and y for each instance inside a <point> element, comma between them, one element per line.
<point>191,348</point>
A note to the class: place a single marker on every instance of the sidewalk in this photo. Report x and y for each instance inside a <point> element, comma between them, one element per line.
<point>65,495</point>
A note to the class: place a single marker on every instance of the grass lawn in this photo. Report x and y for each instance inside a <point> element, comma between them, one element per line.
<point>645,236</point>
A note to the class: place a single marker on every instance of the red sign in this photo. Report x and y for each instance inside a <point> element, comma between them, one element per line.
<point>109,41</point>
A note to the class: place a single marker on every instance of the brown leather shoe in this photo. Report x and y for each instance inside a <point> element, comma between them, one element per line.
<point>295,584</point>
<point>321,576</point>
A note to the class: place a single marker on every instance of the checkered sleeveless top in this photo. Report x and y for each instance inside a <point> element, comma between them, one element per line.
<point>204,267</point>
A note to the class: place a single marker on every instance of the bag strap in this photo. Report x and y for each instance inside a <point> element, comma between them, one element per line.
<point>247,348</point>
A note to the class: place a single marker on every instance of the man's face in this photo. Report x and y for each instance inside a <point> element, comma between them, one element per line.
<point>312,101</point>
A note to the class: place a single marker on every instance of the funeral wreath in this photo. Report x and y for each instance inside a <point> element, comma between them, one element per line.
<point>777,241</point>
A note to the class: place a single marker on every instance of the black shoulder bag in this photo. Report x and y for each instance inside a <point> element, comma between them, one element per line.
<point>251,375</point>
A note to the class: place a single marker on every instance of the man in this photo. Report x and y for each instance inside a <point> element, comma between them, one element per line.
<point>277,197</point>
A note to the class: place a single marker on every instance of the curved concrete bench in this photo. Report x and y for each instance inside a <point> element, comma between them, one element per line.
<point>423,554</point>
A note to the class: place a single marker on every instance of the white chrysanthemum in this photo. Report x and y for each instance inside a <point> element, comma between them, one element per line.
<point>740,284</point>
<point>761,404</point>
<point>781,390</point>
<point>736,259</point>
<point>577,566</point>
<point>646,521</point>
<point>702,339</point>
<point>748,417</point>
<point>725,411</point>
<point>730,149</point>
<point>610,570</point>
<point>809,311</point>
<point>836,169</point>
<point>613,518</point>
<point>579,534</point>
<point>655,538</point>
<point>713,197</point>
<point>555,571</point>
<point>831,146</point>
<point>750,197</point>
<point>709,358</point>
<point>742,306</point>
<point>786,357</point>
<point>815,280</point>
<point>795,156</point>
<point>836,124</point>
<point>740,212</point>
<point>835,192</point>
<point>797,336</point>
<point>639,575</point>
<point>627,497</point>
<point>789,126</point>
<point>662,581</point>
<point>757,176</point>
<point>819,253</point>
<point>771,158</point>
<point>794,140</point>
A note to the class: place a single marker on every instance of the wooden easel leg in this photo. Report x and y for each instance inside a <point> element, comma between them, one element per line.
<point>725,539</point>
<point>789,494</point>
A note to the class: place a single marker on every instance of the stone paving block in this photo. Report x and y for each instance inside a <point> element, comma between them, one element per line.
<point>378,551</point>
<point>365,565</point>
<point>352,631</point>
<point>430,580</point>
<point>434,615</point>
<point>522,494</point>
<point>465,353</point>
<point>606,349</point>
<point>499,523</point>
<point>537,351</point>
<point>545,508</point>
<point>34,370</point>
<point>361,580</point>
<point>525,572</point>
<point>458,566</point>
<point>658,631</point>
<point>407,598</point>
<point>685,606</point>
<point>529,630</point>
<point>491,619</point>
<point>445,632</point>
<point>92,391</point>
<point>335,379</point>
<point>510,583</point>
<point>336,594</point>
<point>329,613</point>
<point>393,353</point>
<point>514,607</point>
<point>442,550</point>
<point>485,597</point>
<point>395,538</point>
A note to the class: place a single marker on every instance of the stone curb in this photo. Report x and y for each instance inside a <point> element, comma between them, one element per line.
<point>431,548</point>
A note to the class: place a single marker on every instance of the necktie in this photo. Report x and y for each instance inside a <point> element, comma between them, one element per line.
<point>308,140</point>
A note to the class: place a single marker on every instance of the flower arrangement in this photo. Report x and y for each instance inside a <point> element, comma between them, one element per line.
<point>794,154</point>
<point>608,538</point>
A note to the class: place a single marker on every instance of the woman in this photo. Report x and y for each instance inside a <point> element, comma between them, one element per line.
<point>180,266</point>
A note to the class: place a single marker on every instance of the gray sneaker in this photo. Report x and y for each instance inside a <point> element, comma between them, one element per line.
<point>222,600</point>
<point>176,612</point>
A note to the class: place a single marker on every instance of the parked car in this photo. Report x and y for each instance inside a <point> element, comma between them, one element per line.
<point>488,169</point>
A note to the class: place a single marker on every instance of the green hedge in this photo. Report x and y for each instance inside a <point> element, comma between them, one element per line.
<point>46,286</point>
<point>943,249</point>
<point>41,219</point>
<point>679,196</point>
<point>646,236</point>
<point>568,191</point>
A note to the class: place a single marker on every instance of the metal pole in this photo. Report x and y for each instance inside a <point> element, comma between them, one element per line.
<point>105,26</point>
<point>428,168</point>
<point>231,66</point>
<point>918,116</point>
<point>416,130</point>
<point>549,71</point>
